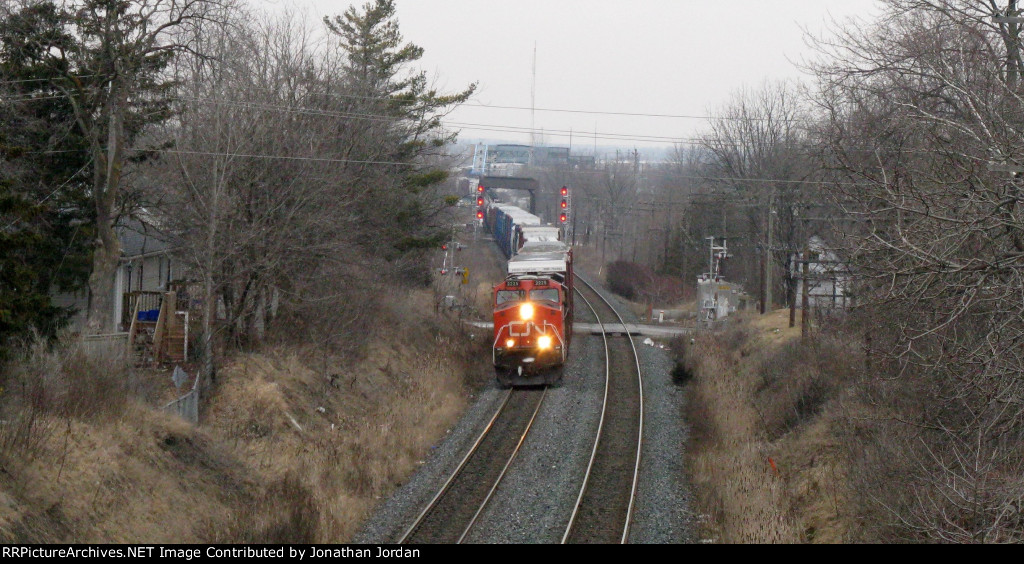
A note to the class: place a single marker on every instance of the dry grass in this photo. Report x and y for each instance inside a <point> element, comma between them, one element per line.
<point>84,458</point>
<point>332,437</point>
<point>351,439</point>
<point>764,458</point>
<point>295,445</point>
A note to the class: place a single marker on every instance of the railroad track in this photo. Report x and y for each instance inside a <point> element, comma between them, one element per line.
<point>604,507</point>
<point>452,512</point>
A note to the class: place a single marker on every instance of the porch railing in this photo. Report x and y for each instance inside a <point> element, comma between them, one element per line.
<point>145,303</point>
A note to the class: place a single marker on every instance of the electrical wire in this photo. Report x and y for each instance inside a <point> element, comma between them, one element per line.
<point>55,190</point>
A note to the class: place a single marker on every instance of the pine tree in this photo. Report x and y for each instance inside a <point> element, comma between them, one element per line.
<point>45,212</point>
<point>106,58</point>
<point>400,204</point>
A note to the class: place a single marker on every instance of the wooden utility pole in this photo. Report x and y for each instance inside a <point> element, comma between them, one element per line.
<point>805,320</point>
<point>791,291</point>
<point>766,277</point>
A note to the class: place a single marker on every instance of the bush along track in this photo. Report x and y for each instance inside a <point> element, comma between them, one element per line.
<point>767,455</point>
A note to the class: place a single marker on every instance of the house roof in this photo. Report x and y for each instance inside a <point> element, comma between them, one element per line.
<point>139,238</point>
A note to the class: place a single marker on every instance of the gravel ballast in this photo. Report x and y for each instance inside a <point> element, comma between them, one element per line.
<point>662,512</point>
<point>534,501</point>
<point>393,516</point>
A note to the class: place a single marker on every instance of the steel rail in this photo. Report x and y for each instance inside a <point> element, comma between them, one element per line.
<point>600,424</point>
<point>640,432</point>
<point>511,458</point>
<point>451,479</point>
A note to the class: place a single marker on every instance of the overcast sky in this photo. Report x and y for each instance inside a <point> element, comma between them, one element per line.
<point>675,57</point>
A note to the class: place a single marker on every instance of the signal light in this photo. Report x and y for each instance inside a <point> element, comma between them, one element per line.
<point>563,218</point>
<point>479,215</point>
<point>480,201</point>
<point>565,191</point>
<point>444,247</point>
<point>565,205</point>
<point>480,188</point>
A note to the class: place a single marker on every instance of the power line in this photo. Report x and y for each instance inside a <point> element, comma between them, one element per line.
<point>472,126</point>
<point>454,124</point>
<point>29,98</point>
<point>20,81</point>
<point>557,110</point>
<point>55,190</point>
<point>633,114</point>
<point>279,157</point>
<point>498,128</point>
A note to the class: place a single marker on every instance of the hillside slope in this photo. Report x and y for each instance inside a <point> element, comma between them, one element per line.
<point>294,445</point>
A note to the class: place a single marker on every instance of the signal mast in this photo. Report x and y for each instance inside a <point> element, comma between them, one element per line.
<point>713,293</point>
<point>480,202</point>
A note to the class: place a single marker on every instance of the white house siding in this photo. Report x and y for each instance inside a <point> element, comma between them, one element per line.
<point>829,280</point>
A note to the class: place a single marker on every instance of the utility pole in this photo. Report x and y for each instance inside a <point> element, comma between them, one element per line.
<point>766,277</point>
<point>805,302</point>
<point>1010,21</point>
<point>574,229</point>
<point>533,104</point>
<point>791,292</point>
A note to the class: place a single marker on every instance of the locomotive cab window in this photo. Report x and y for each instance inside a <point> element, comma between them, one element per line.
<point>548,294</point>
<point>509,296</point>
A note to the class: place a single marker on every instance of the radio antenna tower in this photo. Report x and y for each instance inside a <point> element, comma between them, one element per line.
<point>533,99</point>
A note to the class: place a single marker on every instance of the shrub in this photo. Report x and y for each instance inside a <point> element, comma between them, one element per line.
<point>622,278</point>
<point>46,383</point>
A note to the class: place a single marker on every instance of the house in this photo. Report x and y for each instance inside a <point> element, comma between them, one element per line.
<point>829,277</point>
<point>147,267</point>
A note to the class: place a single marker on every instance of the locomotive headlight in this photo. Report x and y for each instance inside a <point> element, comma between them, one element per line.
<point>510,343</point>
<point>526,312</point>
<point>544,342</point>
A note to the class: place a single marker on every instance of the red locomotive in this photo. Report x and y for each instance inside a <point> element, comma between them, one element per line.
<point>533,310</point>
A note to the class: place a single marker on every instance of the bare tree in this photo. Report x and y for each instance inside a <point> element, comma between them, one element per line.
<point>291,188</point>
<point>111,72</point>
<point>923,110</point>
<point>756,155</point>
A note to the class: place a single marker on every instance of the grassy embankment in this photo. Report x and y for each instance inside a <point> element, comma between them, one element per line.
<point>294,445</point>
<point>766,455</point>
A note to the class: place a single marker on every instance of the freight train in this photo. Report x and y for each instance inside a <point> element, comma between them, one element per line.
<point>533,306</point>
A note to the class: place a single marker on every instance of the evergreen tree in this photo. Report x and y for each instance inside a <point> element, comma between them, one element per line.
<point>106,58</point>
<point>396,119</point>
<point>45,213</point>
